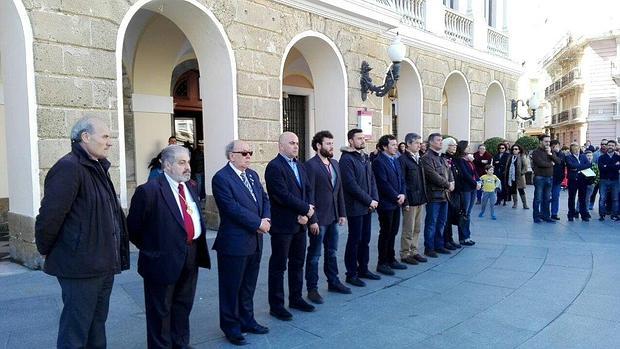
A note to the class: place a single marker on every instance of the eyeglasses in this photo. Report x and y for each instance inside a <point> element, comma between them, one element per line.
<point>244,153</point>
<point>515,149</point>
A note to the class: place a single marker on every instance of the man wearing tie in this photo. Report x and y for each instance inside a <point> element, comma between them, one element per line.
<point>325,179</point>
<point>290,195</point>
<point>244,218</point>
<point>165,223</point>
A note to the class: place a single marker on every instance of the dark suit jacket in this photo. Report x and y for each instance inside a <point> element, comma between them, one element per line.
<point>329,200</point>
<point>156,228</point>
<point>390,181</point>
<point>240,215</point>
<point>575,166</point>
<point>288,198</point>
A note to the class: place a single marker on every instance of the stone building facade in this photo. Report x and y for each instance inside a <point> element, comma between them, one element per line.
<point>115,59</point>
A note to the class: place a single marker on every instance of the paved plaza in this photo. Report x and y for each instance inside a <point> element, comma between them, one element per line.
<point>522,285</point>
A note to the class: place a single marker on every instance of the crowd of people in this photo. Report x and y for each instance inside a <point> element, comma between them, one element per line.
<point>84,236</point>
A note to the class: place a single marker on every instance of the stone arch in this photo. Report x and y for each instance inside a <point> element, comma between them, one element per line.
<point>216,62</point>
<point>456,106</point>
<point>409,99</point>
<point>495,111</point>
<point>329,81</point>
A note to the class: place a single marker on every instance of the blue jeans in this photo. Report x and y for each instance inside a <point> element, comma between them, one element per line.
<point>608,187</point>
<point>436,217</point>
<point>542,198</point>
<point>488,198</point>
<point>556,189</point>
<point>468,200</point>
<point>328,239</point>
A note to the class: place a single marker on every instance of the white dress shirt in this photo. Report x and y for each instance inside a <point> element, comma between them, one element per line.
<point>174,185</point>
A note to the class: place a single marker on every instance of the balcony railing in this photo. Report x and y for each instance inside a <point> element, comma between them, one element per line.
<point>563,82</point>
<point>497,43</point>
<point>567,115</point>
<point>413,12</point>
<point>459,28</point>
<point>575,113</point>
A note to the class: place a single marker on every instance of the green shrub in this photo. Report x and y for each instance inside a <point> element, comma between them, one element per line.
<point>528,143</point>
<point>492,144</point>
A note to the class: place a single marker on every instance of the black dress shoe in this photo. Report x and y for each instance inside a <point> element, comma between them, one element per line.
<point>409,260</point>
<point>355,281</point>
<point>315,297</point>
<point>397,266</point>
<point>430,253</point>
<point>457,245</point>
<point>549,220</point>
<point>586,219</point>
<point>281,314</point>
<point>339,288</point>
<point>369,275</point>
<point>301,305</point>
<point>601,218</point>
<point>257,329</point>
<point>442,251</point>
<point>449,246</point>
<point>236,339</point>
<point>570,218</point>
<point>419,258</point>
<point>385,269</point>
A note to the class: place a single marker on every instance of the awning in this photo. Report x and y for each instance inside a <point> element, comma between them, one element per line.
<point>534,131</point>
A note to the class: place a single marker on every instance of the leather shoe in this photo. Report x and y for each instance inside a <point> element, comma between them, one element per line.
<point>549,220</point>
<point>409,260</point>
<point>430,253</point>
<point>355,281</point>
<point>257,329</point>
<point>385,269</point>
<point>397,266</point>
<point>302,305</point>
<point>419,258</point>
<point>236,339</point>
<point>281,314</point>
<point>449,246</point>
<point>339,288</point>
<point>315,297</point>
<point>457,245</point>
<point>570,218</point>
<point>556,217</point>
<point>369,275</point>
<point>442,251</point>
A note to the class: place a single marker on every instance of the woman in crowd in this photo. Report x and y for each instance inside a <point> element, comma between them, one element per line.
<point>402,148</point>
<point>514,175</point>
<point>467,184</point>
<point>499,163</point>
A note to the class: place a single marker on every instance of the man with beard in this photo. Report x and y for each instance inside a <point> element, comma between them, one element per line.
<point>361,198</point>
<point>165,223</point>
<point>325,178</point>
<point>609,165</point>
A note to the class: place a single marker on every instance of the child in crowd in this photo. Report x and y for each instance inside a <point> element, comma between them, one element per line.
<point>490,186</point>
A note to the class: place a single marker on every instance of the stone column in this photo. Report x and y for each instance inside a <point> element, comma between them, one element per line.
<point>476,12</point>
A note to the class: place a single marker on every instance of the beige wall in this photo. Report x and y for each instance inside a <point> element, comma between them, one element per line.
<point>4,176</point>
<point>152,137</point>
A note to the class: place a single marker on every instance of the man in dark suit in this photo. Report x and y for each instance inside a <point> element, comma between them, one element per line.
<point>244,217</point>
<point>165,223</point>
<point>392,190</point>
<point>325,179</point>
<point>577,183</point>
<point>290,195</point>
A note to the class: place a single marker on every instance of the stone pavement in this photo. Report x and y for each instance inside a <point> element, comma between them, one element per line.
<point>522,285</point>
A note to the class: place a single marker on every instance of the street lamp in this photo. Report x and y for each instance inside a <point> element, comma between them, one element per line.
<point>396,52</point>
<point>533,103</point>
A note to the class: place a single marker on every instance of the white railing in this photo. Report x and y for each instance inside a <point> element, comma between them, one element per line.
<point>459,28</point>
<point>497,43</point>
<point>412,12</point>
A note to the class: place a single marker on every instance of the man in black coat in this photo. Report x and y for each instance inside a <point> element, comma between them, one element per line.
<point>325,179</point>
<point>290,194</point>
<point>166,224</point>
<point>416,199</point>
<point>361,199</point>
<point>245,216</point>
<point>81,232</point>
<point>499,164</point>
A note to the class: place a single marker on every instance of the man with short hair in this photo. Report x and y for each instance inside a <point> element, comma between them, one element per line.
<point>416,199</point>
<point>601,150</point>
<point>325,178</point>
<point>172,140</point>
<point>361,198</point>
<point>558,178</point>
<point>609,165</point>
<point>245,216</point>
<point>81,232</point>
<point>291,196</point>
<point>391,188</point>
<point>439,183</point>
<point>543,160</point>
<point>166,225</point>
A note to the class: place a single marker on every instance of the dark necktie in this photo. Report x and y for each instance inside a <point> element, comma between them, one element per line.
<point>187,218</point>
<point>247,184</point>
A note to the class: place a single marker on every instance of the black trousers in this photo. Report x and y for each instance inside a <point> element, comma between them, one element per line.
<point>285,248</point>
<point>168,307</point>
<point>577,189</point>
<point>356,254</point>
<point>237,277</point>
<point>389,222</point>
<point>84,312</point>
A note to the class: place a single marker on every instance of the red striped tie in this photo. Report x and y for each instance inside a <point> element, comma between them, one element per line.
<point>187,219</point>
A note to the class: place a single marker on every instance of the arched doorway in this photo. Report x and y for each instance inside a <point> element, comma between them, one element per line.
<point>190,31</point>
<point>19,157</point>
<point>455,106</point>
<point>407,107</point>
<point>314,90</point>
<point>495,111</point>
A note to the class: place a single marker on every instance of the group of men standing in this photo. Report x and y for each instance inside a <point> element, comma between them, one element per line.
<point>82,231</point>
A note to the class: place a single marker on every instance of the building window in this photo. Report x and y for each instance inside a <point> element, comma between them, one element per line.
<point>451,4</point>
<point>490,9</point>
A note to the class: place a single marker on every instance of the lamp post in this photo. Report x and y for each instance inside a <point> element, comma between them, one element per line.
<point>533,103</point>
<point>396,52</point>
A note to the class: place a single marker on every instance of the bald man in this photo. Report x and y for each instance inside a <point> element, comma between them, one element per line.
<point>292,210</point>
